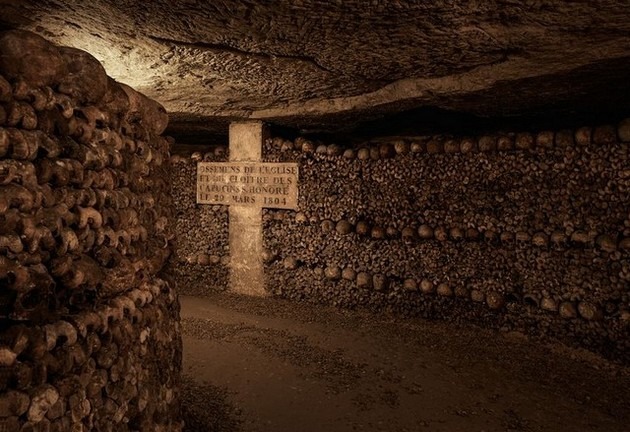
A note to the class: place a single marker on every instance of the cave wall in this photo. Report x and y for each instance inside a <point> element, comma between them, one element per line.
<point>200,263</point>
<point>524,231</point>
<point>89,322</point>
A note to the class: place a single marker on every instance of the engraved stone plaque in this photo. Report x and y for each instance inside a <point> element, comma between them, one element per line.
<point>248,184</point>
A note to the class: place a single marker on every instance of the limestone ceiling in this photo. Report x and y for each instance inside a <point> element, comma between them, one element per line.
<point>328,64</point>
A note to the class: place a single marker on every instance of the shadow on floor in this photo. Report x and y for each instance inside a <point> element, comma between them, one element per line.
<point>205,408</point>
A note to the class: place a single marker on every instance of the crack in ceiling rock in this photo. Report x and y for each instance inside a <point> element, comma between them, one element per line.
<point>230,49</point>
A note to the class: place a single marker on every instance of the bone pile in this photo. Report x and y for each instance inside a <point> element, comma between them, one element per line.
<point>89,331</point>
<point>525,231</point>
<point>200,263</point>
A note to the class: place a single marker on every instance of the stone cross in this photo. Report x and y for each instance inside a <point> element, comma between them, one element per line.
<point>247,185</point>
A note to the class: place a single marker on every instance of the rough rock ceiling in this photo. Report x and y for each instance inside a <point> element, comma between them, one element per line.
<point>329,64</point>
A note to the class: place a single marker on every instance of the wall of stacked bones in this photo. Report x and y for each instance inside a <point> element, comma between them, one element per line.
<point>89,333</point>
<point>521,231</point>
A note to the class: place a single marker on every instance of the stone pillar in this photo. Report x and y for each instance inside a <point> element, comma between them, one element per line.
<point>246,237</point>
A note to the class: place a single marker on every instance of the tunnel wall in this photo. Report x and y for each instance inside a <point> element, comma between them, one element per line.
<point>89,323</point>
<point>525,231</point>
<point>201,259</point>
<point>518,231</point>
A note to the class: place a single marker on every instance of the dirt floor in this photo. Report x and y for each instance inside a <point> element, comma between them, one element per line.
<point>270,365</point>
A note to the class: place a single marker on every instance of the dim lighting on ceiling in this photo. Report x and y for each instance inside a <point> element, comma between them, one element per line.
<point>123,62</point>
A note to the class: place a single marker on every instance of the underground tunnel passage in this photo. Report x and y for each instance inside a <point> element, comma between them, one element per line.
<point>305,216</point>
